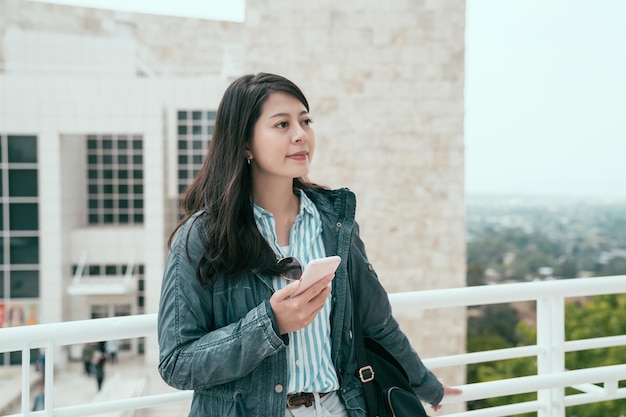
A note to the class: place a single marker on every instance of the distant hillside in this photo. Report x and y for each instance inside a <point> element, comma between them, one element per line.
<point>528,238</point>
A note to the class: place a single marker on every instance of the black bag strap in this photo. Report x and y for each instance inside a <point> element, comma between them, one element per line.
<point>365,372</point>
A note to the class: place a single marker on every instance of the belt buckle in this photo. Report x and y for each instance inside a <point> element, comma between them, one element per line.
<point>306,398</point>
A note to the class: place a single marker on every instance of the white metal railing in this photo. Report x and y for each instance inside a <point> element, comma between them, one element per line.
<point>550,349</point>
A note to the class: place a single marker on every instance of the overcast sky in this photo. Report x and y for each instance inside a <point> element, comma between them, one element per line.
<point>545,97</point>
<point>545,91</point>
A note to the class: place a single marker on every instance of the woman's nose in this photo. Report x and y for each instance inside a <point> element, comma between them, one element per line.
<point>299,134</point>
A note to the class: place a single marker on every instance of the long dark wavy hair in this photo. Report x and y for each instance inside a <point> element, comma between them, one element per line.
<point>223,187</point>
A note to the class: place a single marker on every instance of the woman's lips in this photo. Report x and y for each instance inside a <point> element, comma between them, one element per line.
<point>300,156</point>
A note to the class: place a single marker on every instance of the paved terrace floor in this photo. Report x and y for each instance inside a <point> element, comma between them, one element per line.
<point>73,387</point>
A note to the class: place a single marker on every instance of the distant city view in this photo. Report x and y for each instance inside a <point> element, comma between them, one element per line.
<point>536,238</point>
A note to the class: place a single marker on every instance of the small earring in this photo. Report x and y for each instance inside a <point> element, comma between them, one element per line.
<point>248,161</point>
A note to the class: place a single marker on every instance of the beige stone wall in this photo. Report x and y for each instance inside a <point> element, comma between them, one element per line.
<point>385,81</point>
<point>175,46</point>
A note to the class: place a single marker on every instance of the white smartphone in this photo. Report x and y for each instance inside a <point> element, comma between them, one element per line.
<point>316,270</point>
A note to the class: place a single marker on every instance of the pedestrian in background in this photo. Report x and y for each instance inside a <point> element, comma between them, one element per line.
<point>87,354</point>
<point>40,399</point>
<point>97,366</point>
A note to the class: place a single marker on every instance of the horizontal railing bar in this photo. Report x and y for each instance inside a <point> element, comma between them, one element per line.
<point>115,405</point>
<point>501,410</point>
<point>78,332</point>
<point>580,399</point>
<point>484,356</point>
<point>506,293</point>
<point>533,383</point>
<point>594,343</point>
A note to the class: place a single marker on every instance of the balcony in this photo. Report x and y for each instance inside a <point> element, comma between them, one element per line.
<point>549,383</point>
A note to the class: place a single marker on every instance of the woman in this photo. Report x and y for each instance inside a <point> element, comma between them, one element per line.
<point>228,327</point>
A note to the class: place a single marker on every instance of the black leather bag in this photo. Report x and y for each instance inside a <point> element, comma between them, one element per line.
<point>385,384</point>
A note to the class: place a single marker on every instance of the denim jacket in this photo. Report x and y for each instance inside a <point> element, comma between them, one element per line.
<point>222,341</point>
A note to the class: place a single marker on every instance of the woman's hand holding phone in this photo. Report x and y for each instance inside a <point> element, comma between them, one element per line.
<point>296,305</point>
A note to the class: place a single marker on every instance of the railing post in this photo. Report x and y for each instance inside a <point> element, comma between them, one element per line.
<point>26,379</point>
<point>551,341</point>
<point>49,378</point>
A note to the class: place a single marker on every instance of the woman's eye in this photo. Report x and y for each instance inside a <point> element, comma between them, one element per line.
<point>282,125</point>
<point>307,121</point>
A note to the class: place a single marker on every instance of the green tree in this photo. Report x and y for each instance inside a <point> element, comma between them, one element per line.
<point>585,318</point>
<point>475,275</point>
<point>596,317</point>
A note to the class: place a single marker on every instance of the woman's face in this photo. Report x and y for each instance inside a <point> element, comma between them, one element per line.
<point>283,141</point>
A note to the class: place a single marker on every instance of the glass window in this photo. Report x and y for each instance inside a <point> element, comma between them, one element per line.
<point>22,148</point>
<point>138,203</point>
<point>92,159</point>
<point>182,115</point>
<point>138,189</point>
<point>1,250</point>
<point>198,159</point>
<point>137,144</point>
<point>24,250</point>
<point>123,203</point>
<point>107,188</point>
<point>122,159</point>
<point>197,130</point>
<point>107,143</point>
<point>99,311</point>
<point>24,284</point>
<point>197,115</point>
<point>93,188</point>
<point>93,270</point>
<point>23,216</point>
<point>123,189</point>
<point>107,159</point>
<point>124,218</point>
<point>110,270</point>
<point>122,310</point>
<point>92,143</point>
<point>182,129</point>
<point>122,144</point>
<point>23,182</point>
<point>138,159</point>
<point>1,285</point>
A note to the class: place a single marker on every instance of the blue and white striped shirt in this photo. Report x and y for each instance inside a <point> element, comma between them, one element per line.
<point>310,367</point>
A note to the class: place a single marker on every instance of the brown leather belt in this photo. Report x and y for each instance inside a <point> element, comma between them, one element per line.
<point>302,399</point>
